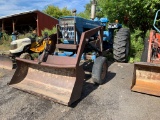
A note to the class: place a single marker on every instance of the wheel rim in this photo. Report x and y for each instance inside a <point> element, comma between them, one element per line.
<point>27,56</point>
<point>104,69</point>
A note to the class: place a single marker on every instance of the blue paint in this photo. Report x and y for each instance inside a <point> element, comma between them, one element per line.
<point>154,23</point>
<point>14,37</point>
<point>93,57</point>
<point>81,25</point>
<point>68,23</point>
<point>69,54</point>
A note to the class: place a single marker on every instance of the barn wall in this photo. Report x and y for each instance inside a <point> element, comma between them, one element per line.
<point>35,19</point>
<point>45,21</point>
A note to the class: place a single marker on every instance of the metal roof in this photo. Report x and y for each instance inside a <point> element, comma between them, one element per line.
<point>23,13</point>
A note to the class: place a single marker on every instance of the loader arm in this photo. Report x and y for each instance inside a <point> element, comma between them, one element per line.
<point>60,78</point>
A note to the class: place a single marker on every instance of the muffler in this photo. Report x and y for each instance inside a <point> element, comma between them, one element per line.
<point>146,78</point>
<point>57,83</point>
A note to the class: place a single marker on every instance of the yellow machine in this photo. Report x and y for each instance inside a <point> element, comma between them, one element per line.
<point>39,47</point>
<point>23,48</point>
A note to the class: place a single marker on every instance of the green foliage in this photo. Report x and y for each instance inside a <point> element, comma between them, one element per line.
<point>6,37</point>
<point>56,11</point>
<point>136,14</point>
<point>2,74</point>
<point>137,46</point>
<point>5,42</point>
<point>54,30</point>
<point>87,12</point>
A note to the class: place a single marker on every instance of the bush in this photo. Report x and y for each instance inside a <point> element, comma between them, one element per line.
<point>137,45</point>
<point>54,30</point>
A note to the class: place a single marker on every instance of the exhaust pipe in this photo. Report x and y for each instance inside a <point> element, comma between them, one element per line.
<point>93,9</point>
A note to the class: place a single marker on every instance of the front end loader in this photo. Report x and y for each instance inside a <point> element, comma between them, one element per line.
<point>60,75</point>
<point>146,76</point>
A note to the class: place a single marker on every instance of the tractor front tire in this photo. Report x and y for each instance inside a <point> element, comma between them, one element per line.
<point>121,45</point>
<point>99,70</point>
<point>26,56</point>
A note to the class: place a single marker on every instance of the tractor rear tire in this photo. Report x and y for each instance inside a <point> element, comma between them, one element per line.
<point>26,56</point>
<point>121,45</point>
<point>99,70</point>
<point>145,51</point>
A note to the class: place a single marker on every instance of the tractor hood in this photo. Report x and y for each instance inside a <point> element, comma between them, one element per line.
<point>18,45</point>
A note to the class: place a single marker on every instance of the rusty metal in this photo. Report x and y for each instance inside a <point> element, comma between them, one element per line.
<point>68,46</point>
<point>151,39</point>
<point>59,78</point>
<point>61,85</point>
<point>146,78</point>
<point>7,62</point>
<point>153,43</point>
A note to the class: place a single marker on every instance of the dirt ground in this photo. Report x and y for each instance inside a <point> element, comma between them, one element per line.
<point>110,101</point>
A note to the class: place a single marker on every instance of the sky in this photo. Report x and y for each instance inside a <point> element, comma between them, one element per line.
<point>8,7</point>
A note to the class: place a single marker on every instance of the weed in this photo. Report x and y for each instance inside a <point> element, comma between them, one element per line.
<point>137,45</point>
<point>1,74</point>
<point>54,30</point>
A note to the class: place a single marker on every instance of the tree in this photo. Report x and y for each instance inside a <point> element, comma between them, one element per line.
<point>56,11</point>
<point>136,14</point>
<point>87,12</point>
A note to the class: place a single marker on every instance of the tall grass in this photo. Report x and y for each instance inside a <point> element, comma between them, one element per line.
<point>52,31</point>
<point>137,45</point>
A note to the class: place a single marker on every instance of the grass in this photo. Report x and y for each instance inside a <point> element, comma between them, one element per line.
<point>1,74</point>
<point>137,45</point>
<point>5,45</point>
<point>6,40</point>
<point>135,50</point>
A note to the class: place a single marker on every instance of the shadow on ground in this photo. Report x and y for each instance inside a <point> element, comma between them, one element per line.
<point>88,85</point>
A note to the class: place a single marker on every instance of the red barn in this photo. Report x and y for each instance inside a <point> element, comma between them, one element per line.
<point>26,21</point>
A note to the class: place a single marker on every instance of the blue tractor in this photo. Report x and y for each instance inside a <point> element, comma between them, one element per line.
<point>118,42</point>
<point>116,39</point>
<point>60,72</point>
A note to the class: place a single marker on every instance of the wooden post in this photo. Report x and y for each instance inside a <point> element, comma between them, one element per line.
<point>2,25</point>
<point>38,34</point>
<point>13,25</point>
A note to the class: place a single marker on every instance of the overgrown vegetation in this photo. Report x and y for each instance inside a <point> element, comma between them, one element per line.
<point>52,31</point>
<point>136,47</point>
<point>56,11</point>
<point>138,15</point>
<point>6,40</point>
<point>2,74</point>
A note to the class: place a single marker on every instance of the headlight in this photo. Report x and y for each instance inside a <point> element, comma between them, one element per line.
<point>13,46</point>
<point>66,35</point>
<point>112,26</point>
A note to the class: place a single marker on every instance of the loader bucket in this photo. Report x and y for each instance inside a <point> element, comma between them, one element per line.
<point>146,78</point>
<point>6,62</point>
<point>58,83</point>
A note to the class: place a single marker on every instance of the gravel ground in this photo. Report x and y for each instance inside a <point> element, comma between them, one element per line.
<point>110,101</point>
